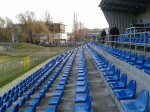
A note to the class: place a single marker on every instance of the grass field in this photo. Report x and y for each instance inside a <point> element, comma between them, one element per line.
<point>6,58</point>
<point>11,63</point>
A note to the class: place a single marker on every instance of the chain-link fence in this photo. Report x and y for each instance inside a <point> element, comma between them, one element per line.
<point>26,59</point>
<point>15,68</point>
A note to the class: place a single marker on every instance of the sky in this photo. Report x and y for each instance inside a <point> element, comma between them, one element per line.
<point>87,11</point>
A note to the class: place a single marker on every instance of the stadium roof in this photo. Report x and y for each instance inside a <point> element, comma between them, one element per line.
<point>130,6</point>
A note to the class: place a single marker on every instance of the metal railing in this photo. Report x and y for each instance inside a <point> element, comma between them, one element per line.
<point>118,40</point>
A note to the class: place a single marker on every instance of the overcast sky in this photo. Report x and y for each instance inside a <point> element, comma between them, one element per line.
<point>87,11</point>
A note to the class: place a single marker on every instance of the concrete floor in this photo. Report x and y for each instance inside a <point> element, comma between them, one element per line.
<point>101,98</point>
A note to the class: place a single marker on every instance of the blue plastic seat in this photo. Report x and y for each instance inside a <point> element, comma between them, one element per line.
<point>9,103</point>
<point>15,108</point>
<point>30,109</point>
<point>115,77</point>
<point>83,107</point>
<point>108,68</point>
<point>83,73</point>
<point>60,87</point>
<point>62,82</point>
<point>100,63</point>
<point>140,61</point>
<point>83,78</point>
<point>138,105</point>
<point>15,98</point>
<point>110,72</point>
<point>51,109</point>
<point>122,55</point>
<point>82,89</point>
<point>103,65</point>
<point>147,65</point>
<point>1,102</point>
<point>127,56</point>
<point>58,93</point>
<point>5,99</point>
<point>3,108</point>
<point>22,101</point>
<point>34,102</point>
<point>81,97</point>
<point>20,93</point>
<point>121,84</point>
<point>119,54</point>
<point>4,95</point>
<point>128,93</point>
<point>81,83</point>
<point>133,59</point>
<point>54,101</point>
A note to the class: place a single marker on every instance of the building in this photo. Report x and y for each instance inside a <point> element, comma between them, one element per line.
<point>56,27</point>
<point>94,34</point>
<point>58,30</point>
<point>123,13</point>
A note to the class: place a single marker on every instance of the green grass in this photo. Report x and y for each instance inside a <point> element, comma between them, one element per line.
<point>28,46</point>
<point>6,58</point>
<point>8,80</point>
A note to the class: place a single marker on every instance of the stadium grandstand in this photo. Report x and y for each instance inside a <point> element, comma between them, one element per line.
<point>93,77</point>
<point>130,56</point>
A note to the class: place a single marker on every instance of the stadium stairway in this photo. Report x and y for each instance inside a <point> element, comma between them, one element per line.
<point>67,101</point>
<point>102,100</point>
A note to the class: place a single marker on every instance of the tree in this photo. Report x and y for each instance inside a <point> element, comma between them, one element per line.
<point>5,29</point>
<point>31,29</point>
<point>48,20</point>
<point>27,24</point>
<point>78,30</point>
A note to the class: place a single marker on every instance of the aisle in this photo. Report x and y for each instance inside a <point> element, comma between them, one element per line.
<point>67,102</point>
<point>102,101</point>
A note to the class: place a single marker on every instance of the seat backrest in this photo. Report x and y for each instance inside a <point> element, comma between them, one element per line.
<point>140,59</point>
<point>117,72</point>
<point>128,54</point>
<point>89,101</point>
<point>120,52</point>
<point>132,86</point>
<point>124,78</point>
<point>3,108</point>
<point>113,68</point>
<point>147,62</point>
<point>123,53</point>
<point>134,56</point>
<point>16,107</point>
<point>143,100</point>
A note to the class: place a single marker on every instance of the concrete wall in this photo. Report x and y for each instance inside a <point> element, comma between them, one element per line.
<point>122,20</point>
<point>145,16</point>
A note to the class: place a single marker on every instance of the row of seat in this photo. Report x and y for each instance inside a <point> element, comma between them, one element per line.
<point>139,39</point>
<point>57,94</point>
<point>24,87</point>
<point>137,61</point>
<point>121,90</point>
<point>82,97</point>
<point>35,102</point>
